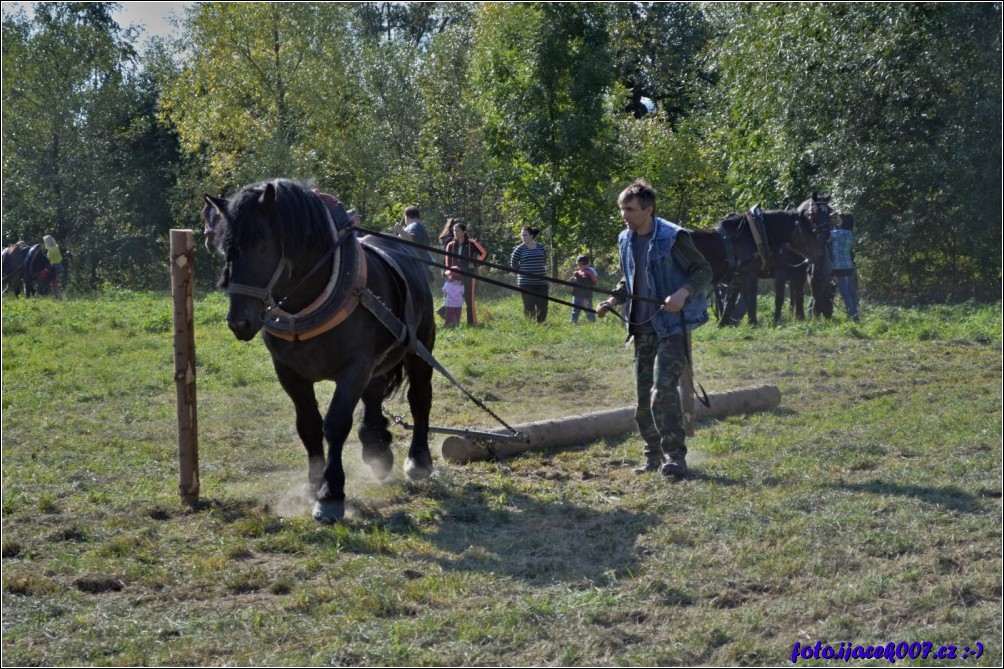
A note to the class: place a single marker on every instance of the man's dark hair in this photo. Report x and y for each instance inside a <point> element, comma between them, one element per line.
<point>642,191</point>
<point>412,212</point>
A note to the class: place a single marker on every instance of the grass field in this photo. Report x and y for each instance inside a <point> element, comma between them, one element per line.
<point>865,510</point>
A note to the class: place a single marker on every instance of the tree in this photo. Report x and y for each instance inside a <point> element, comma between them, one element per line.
<point>83,156</point>
<point>541,79</point>
<point>264,91</point>
<point>656,50</point>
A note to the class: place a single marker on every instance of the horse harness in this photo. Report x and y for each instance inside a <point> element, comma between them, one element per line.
<point>754,220</point>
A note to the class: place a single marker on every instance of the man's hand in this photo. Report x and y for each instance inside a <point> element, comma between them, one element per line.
<point>603,307</point>
<point>675,302</point>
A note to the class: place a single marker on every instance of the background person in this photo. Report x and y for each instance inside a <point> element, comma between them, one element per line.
<point>56,260</point>
<point>585,279</point>
<point>841,246</point>
<point>464,253</point>
<point>659,260</point>
<point>453,289</point>
<point>530,258</point>
<point>446,234</point>
<point>411,229</point>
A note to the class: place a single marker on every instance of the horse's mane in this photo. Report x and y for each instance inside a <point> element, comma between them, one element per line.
<point>299,220</point>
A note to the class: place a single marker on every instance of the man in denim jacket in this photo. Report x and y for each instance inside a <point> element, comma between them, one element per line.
<point>663,285</point>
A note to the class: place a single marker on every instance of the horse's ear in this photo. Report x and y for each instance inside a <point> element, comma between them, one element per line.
<point>217,203</point>
<point>267,199</point>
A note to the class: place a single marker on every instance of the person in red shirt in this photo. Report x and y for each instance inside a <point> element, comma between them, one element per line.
<point>465,253</point>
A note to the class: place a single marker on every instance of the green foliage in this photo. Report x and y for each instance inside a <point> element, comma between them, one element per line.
<point>84,158</point>
<point>515,114</point>
<point>255,84</point>
<point>541,77</point>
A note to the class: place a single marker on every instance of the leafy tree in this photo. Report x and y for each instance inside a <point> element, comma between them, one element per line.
<point>264,91</point>
<point>541,79</point>
<point>656,49</point>
<point>451,178</point>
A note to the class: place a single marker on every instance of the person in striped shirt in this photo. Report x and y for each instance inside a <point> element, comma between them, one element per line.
<point>530,258</point>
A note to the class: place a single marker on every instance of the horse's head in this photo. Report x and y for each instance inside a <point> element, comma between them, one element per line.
<point>268,233</point>
<point>814,220</point>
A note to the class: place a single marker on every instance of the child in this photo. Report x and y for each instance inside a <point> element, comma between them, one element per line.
<point>582,295</point>
<point>454,291</point>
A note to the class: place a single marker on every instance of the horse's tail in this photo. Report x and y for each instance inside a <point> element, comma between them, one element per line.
<point>395,380</point>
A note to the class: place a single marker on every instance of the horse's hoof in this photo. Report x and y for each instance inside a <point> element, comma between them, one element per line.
<point>416,471</point>
<point>329,511</point>
<point>381,464</point>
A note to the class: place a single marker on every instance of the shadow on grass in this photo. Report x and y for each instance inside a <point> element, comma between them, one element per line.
<point>951,497</point>
<point>486,529</point>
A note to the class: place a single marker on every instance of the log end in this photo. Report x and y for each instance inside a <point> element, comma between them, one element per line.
<point>461,450</point>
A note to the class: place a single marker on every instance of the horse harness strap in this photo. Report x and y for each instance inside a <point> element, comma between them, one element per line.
<point>263,294</point>
<point>404,333</point>
<point>336,302</point>
<point>730,253</point>
<point>755,219</point>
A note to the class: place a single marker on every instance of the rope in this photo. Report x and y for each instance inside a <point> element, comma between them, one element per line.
<point>512,270</point>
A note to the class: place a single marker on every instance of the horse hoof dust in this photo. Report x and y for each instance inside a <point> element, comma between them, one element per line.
<point>329,512</point>
<point>417,472</point>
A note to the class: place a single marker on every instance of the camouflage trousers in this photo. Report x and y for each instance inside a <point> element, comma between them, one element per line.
<point>658,364</point>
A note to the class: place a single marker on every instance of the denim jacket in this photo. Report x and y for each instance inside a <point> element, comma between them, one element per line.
<point>665,277</point>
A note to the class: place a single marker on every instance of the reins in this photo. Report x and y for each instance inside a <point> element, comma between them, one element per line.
<point>702,397</point>
<point>513,270</point>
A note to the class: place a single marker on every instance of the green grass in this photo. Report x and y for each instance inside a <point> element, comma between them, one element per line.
<point>865,509</point>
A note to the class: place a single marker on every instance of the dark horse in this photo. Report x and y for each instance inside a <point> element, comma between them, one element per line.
<point>738,261</point>
<point>330,307</point>
<point>24,268</point>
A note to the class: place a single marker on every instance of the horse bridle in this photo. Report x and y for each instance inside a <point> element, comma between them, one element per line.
<point>282,268</point>
<point>265,294</point>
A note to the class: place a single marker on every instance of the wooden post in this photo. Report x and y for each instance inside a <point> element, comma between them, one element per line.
<point>182,282</point>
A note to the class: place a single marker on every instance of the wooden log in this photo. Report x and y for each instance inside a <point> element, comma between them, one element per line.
<point>585,428</point>
<point>182,283</point>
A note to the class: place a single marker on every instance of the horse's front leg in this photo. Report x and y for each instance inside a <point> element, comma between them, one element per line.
<point>308,423</point>
<point>419,463</point>
<point>330,505</point>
